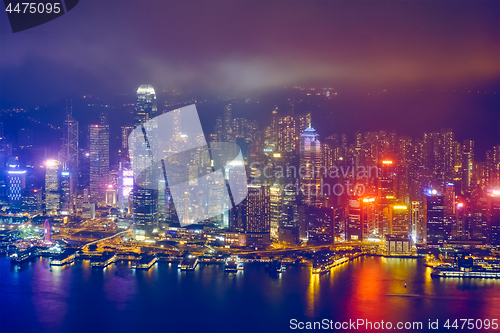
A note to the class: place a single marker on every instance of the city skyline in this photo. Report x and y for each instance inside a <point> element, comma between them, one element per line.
<point>250,166</point>
<point>298,164</point>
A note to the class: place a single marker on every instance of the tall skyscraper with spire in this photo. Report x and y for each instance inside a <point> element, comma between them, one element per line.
<point>145,201</point>
<point>99,160</point>
<point>310,162</point>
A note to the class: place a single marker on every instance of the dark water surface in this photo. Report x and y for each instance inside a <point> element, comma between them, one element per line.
<point>35,297</point>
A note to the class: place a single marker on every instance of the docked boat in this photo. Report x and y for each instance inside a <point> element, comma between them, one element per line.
<point>146,262</point>
<point>277,266</point>
<point>189,263</point>
<point>233,264</point>
<point>322,266</point>
<point>23,255</point>
<point>456,273</point>
<point>103,261</point>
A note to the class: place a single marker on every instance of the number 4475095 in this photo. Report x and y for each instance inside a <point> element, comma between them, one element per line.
<point>34,7</point>
<point>472,324</point>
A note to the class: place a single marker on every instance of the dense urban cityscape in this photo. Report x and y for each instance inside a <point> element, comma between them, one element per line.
<point>250,166</point>
<point>382,193</point>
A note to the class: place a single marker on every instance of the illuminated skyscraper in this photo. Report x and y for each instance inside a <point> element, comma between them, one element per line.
<point>434,209</point>
<point>99,161</point>
<point>70,149</point>
<point>67,191</point>
<point>417,228</point>
<point>354,223</point>
<point>387,194</point>
<point>16,180</point>
<point>400,222</point>
<point>494,207</point>
<point>321,226</point>
<point>228,124</point>
<point>277,214</point>
<point>467,164</point>
<point>125,133</point>
<point>286,135</point>
<point>310,163</point>
<point>52,193</point>
<point>257,209</point>
<point>146,106</point>
<point>145,201</point>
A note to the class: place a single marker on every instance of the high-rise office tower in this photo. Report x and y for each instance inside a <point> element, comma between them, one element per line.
<point>417,224</point>
<point>304,121</point>
<point>277,213</point>
<point>146,106</point>
<point>218,134</point>
<point>257,209</point>
<point>354,223</point>
<point>467,164</point>
<point>70,149</point>
<point>69,157</point>
<point>126,130</point>
<point>66,186</point>
<point>286,135</point>
<point>228,123</point>
<point>240,126</point>
<point>434,210</point>
<point>449,146</point>
<point>145,201</point>
<point>99,160</point>
<point>52,193</point>
<point>460,228</point>
<point>369,217</point>
<point>387,194</point>
<point>16,180</point>
<point>400,222</point>
<point>321,226</point>
<point>310,163</point>
<point>494,207</point>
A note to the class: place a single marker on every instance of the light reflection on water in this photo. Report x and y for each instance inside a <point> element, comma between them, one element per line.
<point>119,298</point>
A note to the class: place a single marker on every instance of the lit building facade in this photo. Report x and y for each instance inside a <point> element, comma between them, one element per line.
<point>145,201</point>
<point>310,166</point>
<point>434,209</point>
<point>99,161</point>
<point>52,187</point>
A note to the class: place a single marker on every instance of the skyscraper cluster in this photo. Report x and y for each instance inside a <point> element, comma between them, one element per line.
<point>304,186</point>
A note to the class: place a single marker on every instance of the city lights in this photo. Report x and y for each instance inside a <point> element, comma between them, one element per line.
<point>51,163</point>
<point>171,166</point>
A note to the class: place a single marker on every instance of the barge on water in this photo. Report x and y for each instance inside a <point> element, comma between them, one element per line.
<point>146,262</point>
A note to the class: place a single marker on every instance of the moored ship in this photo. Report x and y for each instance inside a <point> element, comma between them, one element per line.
<point>233,264</point>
